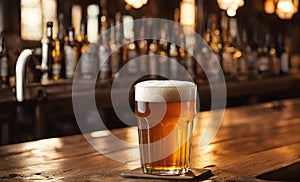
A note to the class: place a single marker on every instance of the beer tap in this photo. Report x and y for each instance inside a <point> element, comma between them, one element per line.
<point>34,90</point>
<point>20,74</point>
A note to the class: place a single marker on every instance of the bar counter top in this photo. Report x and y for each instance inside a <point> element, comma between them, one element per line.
<point>261,140</point>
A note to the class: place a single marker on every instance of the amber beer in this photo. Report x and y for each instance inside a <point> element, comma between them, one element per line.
<point>165,112</point>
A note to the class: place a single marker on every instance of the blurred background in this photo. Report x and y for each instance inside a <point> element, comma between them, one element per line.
<point>255,42</point>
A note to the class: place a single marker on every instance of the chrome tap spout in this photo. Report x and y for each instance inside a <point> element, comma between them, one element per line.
<point>20,74</point>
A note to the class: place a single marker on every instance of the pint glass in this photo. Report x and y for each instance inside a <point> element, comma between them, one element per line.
<point>165,111</point>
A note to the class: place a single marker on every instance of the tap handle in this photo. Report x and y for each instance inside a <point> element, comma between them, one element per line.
<point>20,73</point>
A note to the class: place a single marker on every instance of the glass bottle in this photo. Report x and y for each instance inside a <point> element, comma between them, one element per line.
<point>143,51</point>
<point>251,52</point>
<point>240,59</point>
<point>61,38</point>
<point>274,60</point>
<point>82,38</point>
<point>4,76</point>
<point>153,67</point>
<point>227,49</point>
<point>163,52</point>
<point>104,57</point>
<point>283,55</point>
<point>116,57</point>
<point>264,58</point>
<point>182,53</point>
<point>88,60</point>
<point>51,55</point>
<point>48,47</point>
<point>190,62</point>
<point>173,53</point>
<point>215,43</point>
<point>211,60</point>
<point>57,60</point>
<point>130,49</point>
<point>72,52</point>
<point>131,53</point>
<point>173,50</point>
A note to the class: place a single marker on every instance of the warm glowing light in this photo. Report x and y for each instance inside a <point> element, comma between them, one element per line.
<point>31,20</point>
<point>128,27</point>
<point>136,3</point>
<point>269,6</point>
<point>285,6</point>
<point>296,5</point>
<point>92,23</point>
<point>231,12</point>
<point>239,3</point>
<point>226,4</point>
<point>34,15</point>
<point>49,11</point>
<point>187,14</point>
<point>76,18</point>
<point>97,134</point>
<point>285,9</point>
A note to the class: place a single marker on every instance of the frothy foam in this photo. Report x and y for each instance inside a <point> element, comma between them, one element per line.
<point>165,91</point>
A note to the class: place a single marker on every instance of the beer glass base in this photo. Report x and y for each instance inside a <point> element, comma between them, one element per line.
<point>165,172</point>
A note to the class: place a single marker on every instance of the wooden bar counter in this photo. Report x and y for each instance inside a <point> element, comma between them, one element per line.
<point>252,140</point>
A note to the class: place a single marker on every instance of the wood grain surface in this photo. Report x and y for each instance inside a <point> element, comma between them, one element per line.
<point>251,140</point>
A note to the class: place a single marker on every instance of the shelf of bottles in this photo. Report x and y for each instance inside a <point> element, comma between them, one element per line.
<point>239,58</point>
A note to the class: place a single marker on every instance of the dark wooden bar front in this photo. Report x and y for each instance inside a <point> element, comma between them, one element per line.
<point>49,113</point>
<point>251,141</point>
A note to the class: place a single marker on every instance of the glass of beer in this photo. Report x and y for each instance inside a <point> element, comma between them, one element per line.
<point>165,110</point>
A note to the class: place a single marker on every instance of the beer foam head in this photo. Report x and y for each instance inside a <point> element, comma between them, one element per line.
<point>165,91</point>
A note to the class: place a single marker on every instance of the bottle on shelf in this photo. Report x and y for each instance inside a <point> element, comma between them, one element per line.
<point>182,53</point>
<point>57,60</point>
<point>283,55</point>
<point>215,42</point>
<point>274,60</point>
<point>153,66</point>
<point>4,76</point>
<point>153,49</point>
<point>263,58</point>
<point>163,48</point>
<point>173,54</point>
<point>227,49</point>
<point>104,47</point>
<point>201,56</point>
<point>50,57</point>
<point>212,37</point>
<point>61,38</point>
<point>72,52</point>
<point>104,53</point>
<point>190,62</point>
<point>251,52</point>
<point>173,50</point>
<point>143,50</point>
<point>88,63</point>
<point>82,38</point>
<point>117,36</point>
<point>240,58</point>
<point>130,49</point>
<point>207,32</point>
